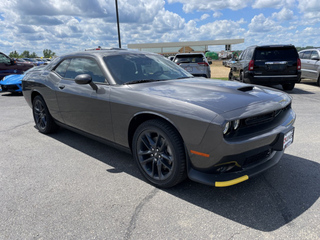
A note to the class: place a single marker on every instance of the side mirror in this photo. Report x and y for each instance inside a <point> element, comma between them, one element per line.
<point>83,79</point>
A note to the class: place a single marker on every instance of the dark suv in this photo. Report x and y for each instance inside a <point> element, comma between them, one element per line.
<point>8,66</point>
<point>268,65</point>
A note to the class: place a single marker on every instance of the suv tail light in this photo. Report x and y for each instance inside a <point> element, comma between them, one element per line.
<point>203,64</point>
<point>298,64</point>
<point>251,65</point>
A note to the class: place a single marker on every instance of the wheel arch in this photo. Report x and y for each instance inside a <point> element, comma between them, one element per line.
<point>140,118</point>
<point>34,94</point>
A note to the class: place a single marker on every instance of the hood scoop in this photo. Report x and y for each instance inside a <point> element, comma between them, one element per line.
<point>246,89</point>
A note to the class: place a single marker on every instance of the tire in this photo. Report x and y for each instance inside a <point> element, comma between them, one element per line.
<point>230,77</point>
<point>159,153</point>
<point>288,86</point>
<point>318,82</point>
<point>42,117</point>
<point>241,77</point>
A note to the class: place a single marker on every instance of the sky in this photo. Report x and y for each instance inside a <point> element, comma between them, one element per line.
<point>65,26</point>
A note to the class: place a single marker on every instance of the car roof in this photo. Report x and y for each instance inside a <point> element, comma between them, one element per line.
<point>189,53</point>
<point>105,52</point>
<point>272,46</point>
<point>310,49</point>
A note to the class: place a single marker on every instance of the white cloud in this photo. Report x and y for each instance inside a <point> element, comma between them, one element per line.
<point>262,25</point>
<point>309,5</point>
<point>205,16</point>
<point>284,15</point>
<point>205,5</point>
<point>217,14</point>
<point>71,25</point>
<point>272,3</point>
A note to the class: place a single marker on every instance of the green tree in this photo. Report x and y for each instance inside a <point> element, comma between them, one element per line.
<point>33,55</point>
<point>25,54</point>
<point>47,53</point>
<point>14,54</point>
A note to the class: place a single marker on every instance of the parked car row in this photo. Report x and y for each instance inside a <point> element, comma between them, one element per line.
<point>34,61</point>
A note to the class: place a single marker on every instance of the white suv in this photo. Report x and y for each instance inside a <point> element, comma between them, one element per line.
<point>195,63</point>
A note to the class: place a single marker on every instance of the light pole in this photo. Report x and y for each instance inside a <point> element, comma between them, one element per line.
<point>118,24</point>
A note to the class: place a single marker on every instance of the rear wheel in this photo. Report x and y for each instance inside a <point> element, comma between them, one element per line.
<point>288,86</point>
<point>231,76</point>
<point>159,153</point>
<point>318,82</point>
<point>42,116</point>
<point>242,76</point>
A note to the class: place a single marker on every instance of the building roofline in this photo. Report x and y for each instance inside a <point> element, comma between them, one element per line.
<point>182,44</point>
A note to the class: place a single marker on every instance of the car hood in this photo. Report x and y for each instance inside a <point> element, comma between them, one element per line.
<point>12,79</point>
<point>217,95</point>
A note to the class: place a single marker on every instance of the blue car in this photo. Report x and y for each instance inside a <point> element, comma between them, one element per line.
<point>12,83</point>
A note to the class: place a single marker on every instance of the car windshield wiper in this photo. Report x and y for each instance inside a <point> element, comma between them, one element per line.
<point>142,81</point>
<point>185,77</point>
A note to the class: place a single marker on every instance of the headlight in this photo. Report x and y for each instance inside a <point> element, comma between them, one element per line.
<point>236,124</point>
<point>226,128</point>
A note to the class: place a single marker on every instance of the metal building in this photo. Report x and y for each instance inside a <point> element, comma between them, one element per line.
<point>170,48</point>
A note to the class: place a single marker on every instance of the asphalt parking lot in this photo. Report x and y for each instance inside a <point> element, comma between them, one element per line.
<point>66,186</point>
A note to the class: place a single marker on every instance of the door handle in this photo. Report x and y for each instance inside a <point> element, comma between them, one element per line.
<point>62,87</point>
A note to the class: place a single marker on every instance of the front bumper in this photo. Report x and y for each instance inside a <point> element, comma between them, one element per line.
<point>245,165</point>
<point>10,88</point>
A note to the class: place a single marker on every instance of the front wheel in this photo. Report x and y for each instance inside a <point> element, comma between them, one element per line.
<point>159,153</point>
<point>42,117</point>
<point>288,86</point>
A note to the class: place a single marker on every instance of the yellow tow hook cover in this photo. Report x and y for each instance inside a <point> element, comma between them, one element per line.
<point>232,182</point>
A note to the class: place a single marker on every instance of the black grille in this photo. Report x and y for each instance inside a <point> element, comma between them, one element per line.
<point>9,88</point>
<point>263,118</point>
<point>257,157</point>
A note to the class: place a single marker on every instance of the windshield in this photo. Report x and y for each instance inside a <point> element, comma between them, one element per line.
<point>275,54</point>
<point>139,67</point>
<point>189,58</point>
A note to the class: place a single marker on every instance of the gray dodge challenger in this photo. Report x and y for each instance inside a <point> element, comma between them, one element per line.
<point>215,132</point>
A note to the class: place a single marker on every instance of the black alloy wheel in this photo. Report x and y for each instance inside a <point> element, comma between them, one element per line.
<point>42,118</point>
<point>159,153</point>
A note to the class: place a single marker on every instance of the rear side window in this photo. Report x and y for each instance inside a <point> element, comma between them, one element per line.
<point>275,54</point>
<point>249,54</point>
<point>189,58</point>
<point>70,68</point>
